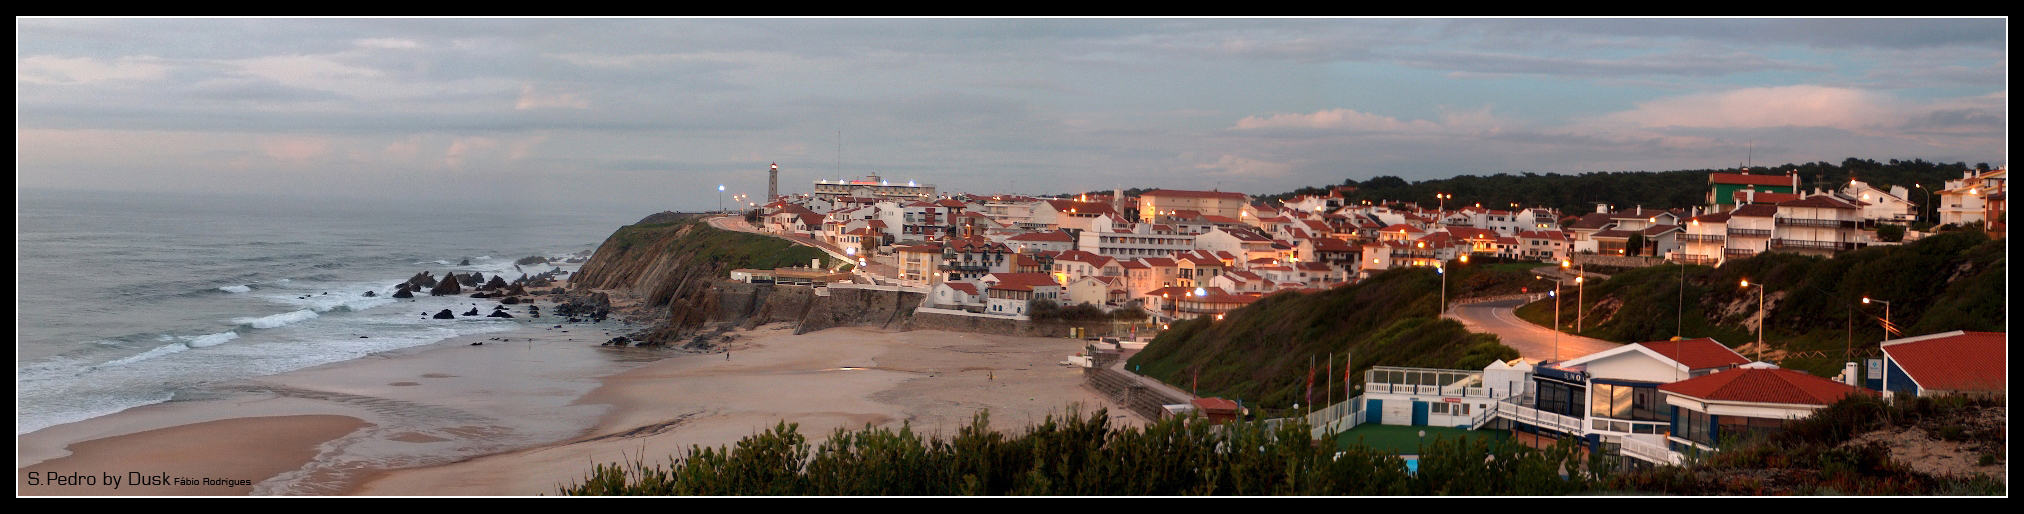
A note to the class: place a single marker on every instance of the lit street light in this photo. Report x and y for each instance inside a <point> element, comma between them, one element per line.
<point>1887,327</point>
<point>720,198</point>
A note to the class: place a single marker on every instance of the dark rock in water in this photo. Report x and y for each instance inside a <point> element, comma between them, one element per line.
<point>479,343</point>
<point>404,292</point>
<point>556,291</point>
<point>498,314</point>
<point>445,314</point>
<point>467,262</point>
<point>510,300</point>
<point>448,286</point>
<point>421,281</point>
<point>620,340</point>
<point>369,294</point>
<point>472,280</point>
<point>480,295</point>
<point>495,284</point>
<point>516,290</point>
<point>472,312</point>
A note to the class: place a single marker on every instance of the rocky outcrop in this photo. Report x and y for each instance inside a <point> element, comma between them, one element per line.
<point>472,279</point>
<point>495,284</point>
<point>448,286</point>
<point>421,281</point>
<point>403,292</point>
<point>445,314</point>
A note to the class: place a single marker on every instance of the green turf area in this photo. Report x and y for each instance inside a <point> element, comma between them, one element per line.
<point>1405,440</point>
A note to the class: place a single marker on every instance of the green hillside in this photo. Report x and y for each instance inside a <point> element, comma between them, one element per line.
<point>1946,282</point>
<point>1260,353</point>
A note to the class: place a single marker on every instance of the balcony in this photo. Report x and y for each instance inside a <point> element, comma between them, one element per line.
<point>1746,232</point>
<point>1738,253</point>
<point>1695,259</point>
<point>1802,244</point>
<point>1701,238</point>
<point>1810,222</point>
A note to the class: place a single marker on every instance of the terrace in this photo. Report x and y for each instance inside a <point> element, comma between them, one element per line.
<point>1802,244</point>
<point>1747,232</point>
<point>1810,222</point>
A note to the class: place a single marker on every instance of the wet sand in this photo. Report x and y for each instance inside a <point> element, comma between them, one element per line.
<point>528,414</point>
<point>213,458</point>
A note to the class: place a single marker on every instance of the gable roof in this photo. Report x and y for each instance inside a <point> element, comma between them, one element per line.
<point>1021,281</point>
<point>1763,385</point>
<point>1172,193</point>
<point>964,287</point>
<point>1755,211</point>
<point>1591,221</point>
<point>1699,353</point>
<point>1953,361</point>
<point>1819,201</point>
<point>1739,178</point>
<point>1043,237</point>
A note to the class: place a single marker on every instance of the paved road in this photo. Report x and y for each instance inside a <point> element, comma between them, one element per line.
<point>1533,342</point>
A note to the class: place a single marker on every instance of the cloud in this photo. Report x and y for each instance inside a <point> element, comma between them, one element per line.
<point>1762,107</point>
<point>463,148</point>
<point>530,100</point>
<point>49,69</point>
<point>295,148</point>
<point>1338,119</point>
<point>1245,167</point>
<point>387,43</point>
<point>519,149</point>
<point>1706,64</point>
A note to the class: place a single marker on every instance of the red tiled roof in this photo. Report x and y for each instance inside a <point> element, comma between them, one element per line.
<point>1763,197</point>
<point>1043,236</point>
<point>1820,201</point>
<point>963,286</point>
<point>1591,221</point>
<point>1702,353</point>
<point>1613,234</point>
<point>1170,193</point>
<point>1215,404</point>
<point>1761,180</point>
<point>1755,211</point>
<point>1659,229</point>
<point>1720,217</point>
<point>1763,386</point>
<point>1158,261</point>
<point>1953,361</point>
<point>1022,281</point>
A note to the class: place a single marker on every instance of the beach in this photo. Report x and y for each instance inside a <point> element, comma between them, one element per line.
<point>535,408</point>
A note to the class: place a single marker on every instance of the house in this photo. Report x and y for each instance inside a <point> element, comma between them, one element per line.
<point>1069,214</point>
<point>1041,242</point>
<point>919,263</point>
<point>1073,265</point>
<point>1201,305</point>
<point>1544,245</point>
<point>1722,187</point>
<point>1110,237</point>
<point>957,295</point>
<point>1962,201</point>
<point>1160,202</point>
<point>1948,363</point>
<point>1893,206</point>
<point>1009,293</point>
<point>1750,230</point>
<point>1098,290</point>
<point>1749,400</point>
<point>969,259</point>
<point>1704,240</point>
<point>1819,224</point>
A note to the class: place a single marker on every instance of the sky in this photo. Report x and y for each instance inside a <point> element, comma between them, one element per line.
<point>655,113</point>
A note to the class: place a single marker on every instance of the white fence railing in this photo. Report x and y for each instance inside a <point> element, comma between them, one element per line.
<point>1539,418</point>
<point>1472,391</point>
<point>1648,452</point>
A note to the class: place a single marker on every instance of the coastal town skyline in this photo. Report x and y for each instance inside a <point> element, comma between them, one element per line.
<point>587,110</point>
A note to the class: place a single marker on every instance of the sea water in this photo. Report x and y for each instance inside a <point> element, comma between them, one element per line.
<point>126,299</point>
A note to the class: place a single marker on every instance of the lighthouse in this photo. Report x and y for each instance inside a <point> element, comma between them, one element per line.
<point>773,183</point>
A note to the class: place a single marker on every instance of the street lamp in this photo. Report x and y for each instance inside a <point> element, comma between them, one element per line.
<point>1556,317</point>
<point>1580,291</point>
<point>1760,318</point>
<point>720,198</point>
<point>1887,327</point>
<point>1928,201</point>
<point>1443,270</point>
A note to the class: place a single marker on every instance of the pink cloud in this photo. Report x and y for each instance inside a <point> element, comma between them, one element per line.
<point>1762,107</point>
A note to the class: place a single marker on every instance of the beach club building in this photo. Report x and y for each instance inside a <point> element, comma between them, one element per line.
<point>1947,363</point>
<point>1745,400</point>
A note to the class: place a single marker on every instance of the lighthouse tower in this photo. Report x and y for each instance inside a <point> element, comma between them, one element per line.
<point>773,183</point>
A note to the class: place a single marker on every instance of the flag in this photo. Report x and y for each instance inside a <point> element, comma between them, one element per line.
<point>1310,382</point>
<point>1198,382</point>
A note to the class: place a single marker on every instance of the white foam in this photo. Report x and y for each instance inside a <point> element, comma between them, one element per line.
<point>212,339</point>
<point>277,320</point>
<point>150,354</point>
<point>484,257</point>
<point>235,289</point>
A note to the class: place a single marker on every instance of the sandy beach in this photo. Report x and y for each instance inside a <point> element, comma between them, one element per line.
<point>535,408</point>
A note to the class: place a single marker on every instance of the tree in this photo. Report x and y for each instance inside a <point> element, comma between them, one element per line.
<point>1636,245</point>
<point>1890,233</point>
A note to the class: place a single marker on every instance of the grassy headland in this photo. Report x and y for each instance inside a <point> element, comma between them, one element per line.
<point>1260,353</point>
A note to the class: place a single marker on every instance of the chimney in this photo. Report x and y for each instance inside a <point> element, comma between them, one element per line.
<point>1795,180</point>
<point>1602,208</point>
<point>1750,196</point>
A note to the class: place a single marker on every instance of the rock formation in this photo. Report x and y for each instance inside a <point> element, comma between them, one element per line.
<point>448,286</point>
<point>403,291</point>
<point>495,284</point>
<point>445,314</point>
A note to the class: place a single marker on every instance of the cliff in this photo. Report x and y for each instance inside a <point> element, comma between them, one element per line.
<point>670,264</point>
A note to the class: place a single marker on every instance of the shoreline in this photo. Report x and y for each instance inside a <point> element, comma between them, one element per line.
<point>535,408</point>
<point>439,402</point>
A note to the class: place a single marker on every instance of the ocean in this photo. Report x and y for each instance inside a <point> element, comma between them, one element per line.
<point>129,299</point>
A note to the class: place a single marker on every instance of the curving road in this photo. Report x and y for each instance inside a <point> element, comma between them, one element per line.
<point>1533,342</point>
